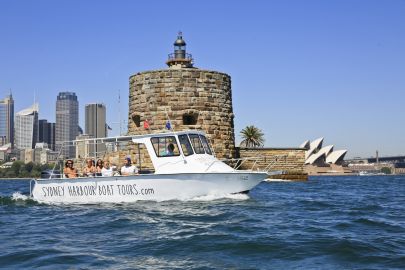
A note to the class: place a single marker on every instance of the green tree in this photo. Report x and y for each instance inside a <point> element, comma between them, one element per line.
<point>252,137</point>
<point>386,170</point>
<point>29,166</point>
<point>10,174</point>
<point>16,167</point>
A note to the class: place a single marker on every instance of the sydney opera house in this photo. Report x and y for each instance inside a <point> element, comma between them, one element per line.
<point>323,159</point>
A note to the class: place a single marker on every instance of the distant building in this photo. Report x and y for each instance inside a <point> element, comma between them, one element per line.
<point>96,126</point>
<point>26,127</point>
<point>47,133</point>
<point>5,150</point>
<point>43,155</point>
<point>7,120</point>
<point>29,155</point>
<point>323,160</point>
<point>318,155</point>
<point>67,122</point>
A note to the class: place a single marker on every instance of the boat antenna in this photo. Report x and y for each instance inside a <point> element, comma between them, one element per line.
<point>119,111</point>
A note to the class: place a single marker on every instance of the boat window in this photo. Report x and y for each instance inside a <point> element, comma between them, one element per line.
<point>197,145</point>
<point>206,145</point>
<point>185,145</point>
<point>165,146</point>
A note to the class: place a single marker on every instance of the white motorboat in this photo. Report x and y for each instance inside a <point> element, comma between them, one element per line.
<point>370,173</point>
<point>191,170</point>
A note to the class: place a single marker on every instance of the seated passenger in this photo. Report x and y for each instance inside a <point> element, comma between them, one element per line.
<point>107,170</point>
<point>170,150</point>
<point>69,171</point>
<point>128,168</point>
<point>89,170</point>
<point>99,167</point>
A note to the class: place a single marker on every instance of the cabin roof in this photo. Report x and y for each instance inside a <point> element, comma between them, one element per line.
<point>141,136</point>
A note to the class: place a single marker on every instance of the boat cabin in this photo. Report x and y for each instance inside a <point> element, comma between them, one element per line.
<point>171,152</point>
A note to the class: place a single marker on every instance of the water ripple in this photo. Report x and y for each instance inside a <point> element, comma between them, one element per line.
<point>325,223</point>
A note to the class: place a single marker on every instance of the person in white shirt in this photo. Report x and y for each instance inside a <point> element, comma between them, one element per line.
<point>107,170</point>
<point>128,168</point>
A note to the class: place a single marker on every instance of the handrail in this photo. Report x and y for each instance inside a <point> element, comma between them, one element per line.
<point>32,180</point>
<point>237,165</point>
<point>267,168</point>
<point>243,160</point>
<point>172,56</point>
<point>79,177</point>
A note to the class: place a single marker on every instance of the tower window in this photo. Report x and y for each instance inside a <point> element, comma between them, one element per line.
<point>137,120</point>
<point>190,119</point>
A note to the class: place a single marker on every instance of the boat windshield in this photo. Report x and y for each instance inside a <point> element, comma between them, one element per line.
<point>206,145</point>
<point>165,146</point>
<point>185,145</point>
<point>197,145</point>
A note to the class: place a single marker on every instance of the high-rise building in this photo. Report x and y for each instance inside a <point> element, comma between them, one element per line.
<point>47,133</point>
<point>26,127</point>
<point>96,126</point>
<point>7,120</point>
<point>67,122</point>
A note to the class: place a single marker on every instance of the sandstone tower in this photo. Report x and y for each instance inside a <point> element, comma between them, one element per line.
<point>189,97</point>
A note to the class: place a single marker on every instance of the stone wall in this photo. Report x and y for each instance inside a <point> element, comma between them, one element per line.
<point>289,160</point>
<point>184,95</point>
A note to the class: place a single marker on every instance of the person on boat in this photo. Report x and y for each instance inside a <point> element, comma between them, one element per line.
<point>128,168</point>
<point>69,171</point>
<point>99,167</point>
<point>89,170</point>
<point>170,150</point>
<point>107,170</point>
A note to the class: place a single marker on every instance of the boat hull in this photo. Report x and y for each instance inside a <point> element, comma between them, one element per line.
<point>154,187</point>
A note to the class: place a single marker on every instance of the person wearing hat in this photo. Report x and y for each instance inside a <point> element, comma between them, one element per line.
<point>128,168</point>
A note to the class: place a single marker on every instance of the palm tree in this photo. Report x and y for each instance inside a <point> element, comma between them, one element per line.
<point>252,137</point>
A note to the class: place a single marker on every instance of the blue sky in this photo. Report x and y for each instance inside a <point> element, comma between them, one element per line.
<point>300,69</point>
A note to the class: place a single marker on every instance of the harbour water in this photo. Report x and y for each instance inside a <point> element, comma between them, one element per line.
<point>348,222</point>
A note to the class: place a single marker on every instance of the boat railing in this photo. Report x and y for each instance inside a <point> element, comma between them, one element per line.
<point>31,186</point>
<point>61,176</point>
<point>237,163</point>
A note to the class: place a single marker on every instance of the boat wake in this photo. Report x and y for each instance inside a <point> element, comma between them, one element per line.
<point>213,197</point>
<point>17,199</point>
<point>17,196</point>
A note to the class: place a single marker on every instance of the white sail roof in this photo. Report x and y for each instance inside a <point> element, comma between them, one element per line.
<point>316,144</point>
<point>315,158</point>
<point>314,147</point>
<point>305,144</point>
<point>326,149</point>
<point>336,156</point>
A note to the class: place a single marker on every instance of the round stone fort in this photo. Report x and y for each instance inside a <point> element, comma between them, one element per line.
<point>188,97</point>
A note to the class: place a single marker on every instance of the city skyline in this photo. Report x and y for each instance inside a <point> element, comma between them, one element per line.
<point>334,70</point>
